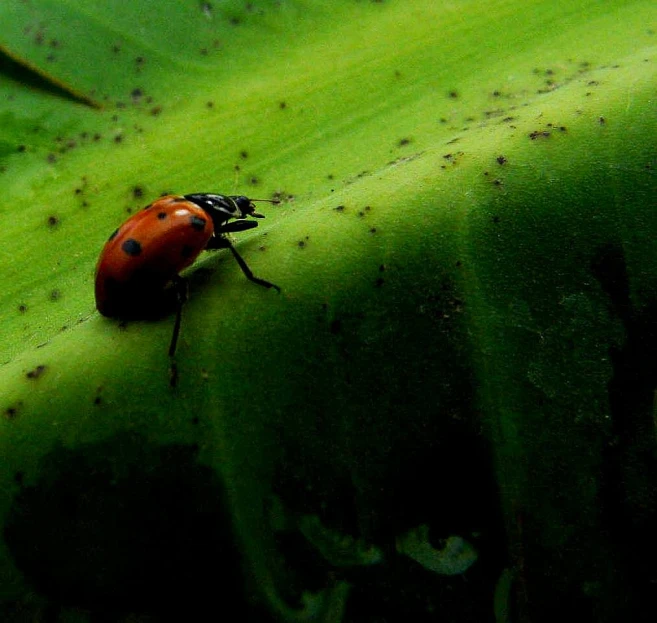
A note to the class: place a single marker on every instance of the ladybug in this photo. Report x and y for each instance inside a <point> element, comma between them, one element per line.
<point>138,272</point>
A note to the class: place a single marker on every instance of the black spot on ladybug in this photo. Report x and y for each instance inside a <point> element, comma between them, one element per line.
<point>113,235</point>
<point>131,247</point>
<point>197,223</point>
<point>161,216</point>
<point>187,251</point>
<point>37,372</point>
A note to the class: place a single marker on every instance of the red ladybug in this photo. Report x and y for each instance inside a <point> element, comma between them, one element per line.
<point>138,269</point>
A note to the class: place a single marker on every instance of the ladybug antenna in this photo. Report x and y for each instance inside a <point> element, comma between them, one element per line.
<point>267,200</point>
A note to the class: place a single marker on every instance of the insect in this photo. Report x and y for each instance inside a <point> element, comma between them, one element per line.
<point>138,272</point>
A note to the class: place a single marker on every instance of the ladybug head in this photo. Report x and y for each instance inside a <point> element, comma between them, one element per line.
<point>246,207</point>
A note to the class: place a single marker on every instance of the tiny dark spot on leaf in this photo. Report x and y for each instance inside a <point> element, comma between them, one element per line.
<point>36,372</point>
<point>11,412</point>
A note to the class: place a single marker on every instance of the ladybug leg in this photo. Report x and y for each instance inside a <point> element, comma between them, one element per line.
<point>219,242</point>
<point>247,271</point>
<point>234,227</point>
<point>180,285</point>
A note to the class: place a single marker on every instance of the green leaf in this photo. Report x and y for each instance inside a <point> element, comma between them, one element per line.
<point>465,251</point>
